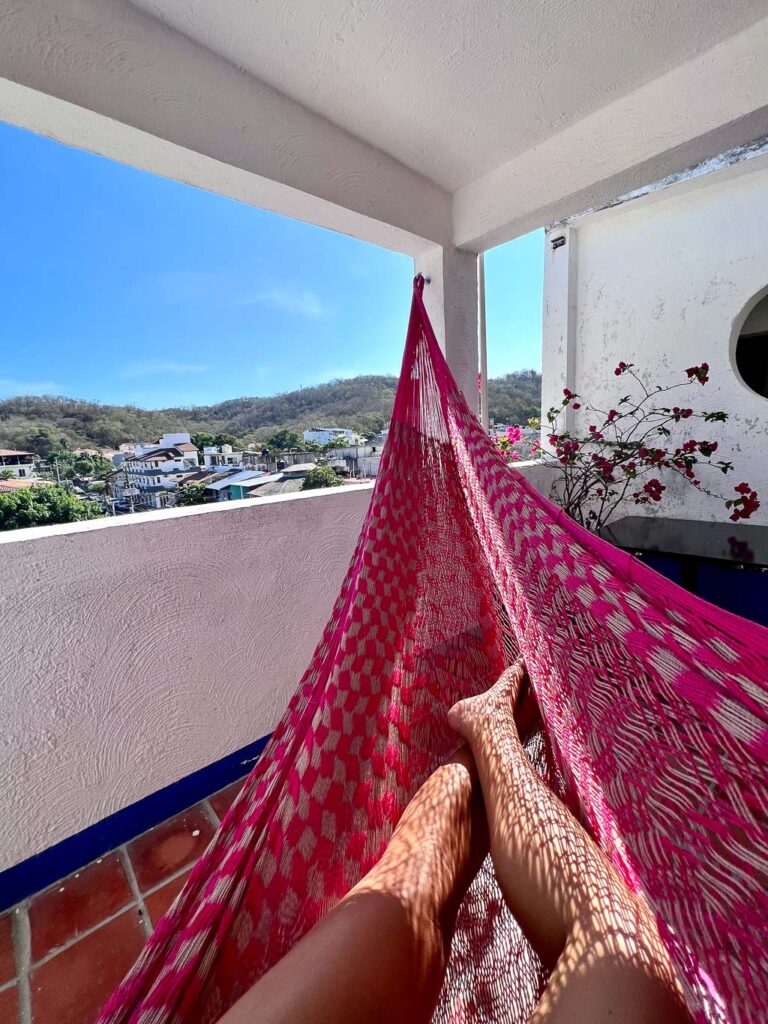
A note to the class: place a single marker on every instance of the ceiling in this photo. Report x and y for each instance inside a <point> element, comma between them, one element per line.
<point>457,88</point>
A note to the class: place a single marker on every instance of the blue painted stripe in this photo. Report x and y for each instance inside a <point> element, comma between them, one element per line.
<point>43,869</point>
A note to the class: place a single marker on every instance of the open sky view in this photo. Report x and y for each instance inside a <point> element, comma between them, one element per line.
<point>123,287</point>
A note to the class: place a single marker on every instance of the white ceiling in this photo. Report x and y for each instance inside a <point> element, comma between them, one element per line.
<point>456,88</point>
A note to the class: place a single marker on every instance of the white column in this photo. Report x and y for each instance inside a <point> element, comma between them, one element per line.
<point>452,303</point>
<point>558,362</point>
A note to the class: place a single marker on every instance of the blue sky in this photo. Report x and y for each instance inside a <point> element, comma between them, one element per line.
<point>120,286</point>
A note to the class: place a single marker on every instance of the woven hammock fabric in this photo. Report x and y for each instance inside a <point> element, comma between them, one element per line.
<point>655,706</point>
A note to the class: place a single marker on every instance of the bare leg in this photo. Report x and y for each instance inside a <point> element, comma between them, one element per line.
<point>380,954</point>
<point>598,939</point>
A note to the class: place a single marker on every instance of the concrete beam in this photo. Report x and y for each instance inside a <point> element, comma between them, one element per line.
<point>109,78</point>
<point>673,122</point>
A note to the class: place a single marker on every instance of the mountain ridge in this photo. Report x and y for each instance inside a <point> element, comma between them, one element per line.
<point>363,403</point>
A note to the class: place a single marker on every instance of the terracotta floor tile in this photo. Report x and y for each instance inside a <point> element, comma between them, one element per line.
<point>167,848</point>
<point>77,903</point>
<point>159,901</point>
<point>9,1005</point>
<point>7,956</point>
<point>73,985</point>
<point>224,799</point>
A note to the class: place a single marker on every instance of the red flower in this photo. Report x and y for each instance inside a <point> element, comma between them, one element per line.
<point>577,405</point>
<point>701,373</point>
<point>612,416</point>
<point>654,489</point>
<point>621,368</point>
<point>746,504</point>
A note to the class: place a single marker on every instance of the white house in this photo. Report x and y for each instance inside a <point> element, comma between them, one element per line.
<point>148,478</point>
<point>222,458</point>
<point>322,435</point>
<point>21,464</point>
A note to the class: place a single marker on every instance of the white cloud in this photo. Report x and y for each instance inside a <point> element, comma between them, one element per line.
<point>149,367</point>
<point>299,301</point>
<point>9,388</point>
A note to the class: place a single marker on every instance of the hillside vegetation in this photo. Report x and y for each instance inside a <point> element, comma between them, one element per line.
<point>362,403</point>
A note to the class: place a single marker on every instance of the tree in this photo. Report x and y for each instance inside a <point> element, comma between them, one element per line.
<point>336,442</point>
<point>221,439</point>
<point>202,440</point>
<point>64,465</point>
<point>192,494</point>
<point>41,441</point>
<point>320,476</point>
<point>283,440</point>
<point>41,506</point>
<point>7,474</point>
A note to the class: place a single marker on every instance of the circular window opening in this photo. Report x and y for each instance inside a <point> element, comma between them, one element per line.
<point>752,349</point>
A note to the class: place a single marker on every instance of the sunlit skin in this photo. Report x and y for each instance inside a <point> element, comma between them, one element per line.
<point>380,954</point>
<point>600,943</point>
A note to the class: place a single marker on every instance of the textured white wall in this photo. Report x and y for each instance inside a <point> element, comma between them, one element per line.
<point>139,650</point>
<point>664,283</point>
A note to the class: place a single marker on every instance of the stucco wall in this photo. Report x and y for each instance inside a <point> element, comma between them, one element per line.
<point>663,283</point>
<point>141,649</point>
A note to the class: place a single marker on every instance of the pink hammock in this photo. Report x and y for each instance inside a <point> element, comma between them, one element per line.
<point>656,713</point>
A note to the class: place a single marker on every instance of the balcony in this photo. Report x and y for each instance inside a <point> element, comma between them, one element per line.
<point>146,658</point>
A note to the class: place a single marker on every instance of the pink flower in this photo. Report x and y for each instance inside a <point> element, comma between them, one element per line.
<point>514,434</point>
<point>514,456</point>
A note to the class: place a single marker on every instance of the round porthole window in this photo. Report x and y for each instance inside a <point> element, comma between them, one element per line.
<point>751,353</point>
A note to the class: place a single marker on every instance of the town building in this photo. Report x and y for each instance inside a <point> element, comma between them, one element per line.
<point>21,464</point>
<point>322,435</point>
<point>148,478</point>
<point>11,486</point>
<point>222,458</point>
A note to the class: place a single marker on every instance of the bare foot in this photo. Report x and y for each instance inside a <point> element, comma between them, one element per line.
<point>510,691</point>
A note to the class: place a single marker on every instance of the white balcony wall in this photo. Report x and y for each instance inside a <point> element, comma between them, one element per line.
<point>663,282</point>
<point>149,646</point>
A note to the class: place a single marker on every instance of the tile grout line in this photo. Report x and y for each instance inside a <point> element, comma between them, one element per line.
<point>212,815</point>
<point>125,860</point>
<point>22,942</point>
<point>82,935</point>
<point>133,905</point>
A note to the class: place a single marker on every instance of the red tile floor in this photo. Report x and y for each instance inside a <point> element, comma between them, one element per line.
<point>63,951</point>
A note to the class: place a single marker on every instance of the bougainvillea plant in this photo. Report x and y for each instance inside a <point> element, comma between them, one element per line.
<point>516,446</point>
<point>626,447</point>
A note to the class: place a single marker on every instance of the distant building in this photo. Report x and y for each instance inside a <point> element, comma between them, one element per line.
<point>222,458</point>
<point>148,478</point>
<point>322,435</point>
<point>21,464</point>
<point>9,486</point>
<point>234,485</point>
<point>298,471</point>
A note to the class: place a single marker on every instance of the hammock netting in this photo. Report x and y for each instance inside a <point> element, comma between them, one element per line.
<point>655,711</point>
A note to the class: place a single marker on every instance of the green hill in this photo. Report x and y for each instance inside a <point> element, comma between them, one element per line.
<point>363,403</point>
